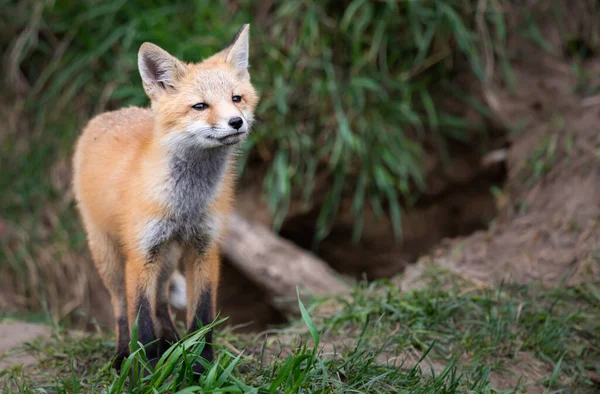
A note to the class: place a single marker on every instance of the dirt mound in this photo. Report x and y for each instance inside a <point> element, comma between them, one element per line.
<point>549,224</point>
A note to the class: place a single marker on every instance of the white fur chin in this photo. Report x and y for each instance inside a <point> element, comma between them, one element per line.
<point>182,141</point>
<point>177,293</point>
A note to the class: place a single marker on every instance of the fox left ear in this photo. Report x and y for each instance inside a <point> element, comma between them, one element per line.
<point>237,56</point>
<point>159,70</point>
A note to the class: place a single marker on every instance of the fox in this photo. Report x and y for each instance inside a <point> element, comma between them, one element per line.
<point>154,186</point>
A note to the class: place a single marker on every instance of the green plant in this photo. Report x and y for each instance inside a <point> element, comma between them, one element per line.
<point>541,159</point>
<point>450,337</point>
<point>347,92</point>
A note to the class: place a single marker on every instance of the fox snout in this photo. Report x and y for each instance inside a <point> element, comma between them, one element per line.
<point>236,132</point>
<point>236,122</point>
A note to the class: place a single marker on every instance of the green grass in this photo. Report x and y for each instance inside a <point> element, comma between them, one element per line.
<point>541,159</point>
<point>452,337</point>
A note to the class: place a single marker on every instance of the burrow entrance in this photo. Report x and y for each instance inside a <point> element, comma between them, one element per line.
<point>460,202</point>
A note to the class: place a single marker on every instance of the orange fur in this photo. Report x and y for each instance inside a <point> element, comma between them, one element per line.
<point>122,176</point>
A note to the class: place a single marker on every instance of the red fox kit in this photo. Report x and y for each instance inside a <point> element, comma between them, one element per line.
<point>156,185</point>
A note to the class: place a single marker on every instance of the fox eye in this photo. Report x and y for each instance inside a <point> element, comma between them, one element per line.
<point>236,99</point>
<point>200,106</point>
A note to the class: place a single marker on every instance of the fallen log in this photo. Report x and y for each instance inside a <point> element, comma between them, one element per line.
<point>276,265</point>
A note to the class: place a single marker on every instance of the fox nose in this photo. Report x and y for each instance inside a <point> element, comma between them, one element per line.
<point>236,122</point>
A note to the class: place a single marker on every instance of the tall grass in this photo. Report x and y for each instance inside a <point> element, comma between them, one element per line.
<point>346,92</point>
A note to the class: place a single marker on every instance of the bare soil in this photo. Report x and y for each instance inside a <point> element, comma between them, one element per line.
<point>14,335</point>
<point>548,228</point>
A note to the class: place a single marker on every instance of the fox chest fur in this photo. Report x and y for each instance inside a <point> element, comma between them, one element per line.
<point>194,182</point>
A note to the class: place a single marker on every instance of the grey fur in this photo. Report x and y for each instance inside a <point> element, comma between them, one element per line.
<point>195,177</point>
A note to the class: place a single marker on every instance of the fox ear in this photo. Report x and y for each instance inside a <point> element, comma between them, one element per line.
<point>237,56</point>
<point>159,70</point>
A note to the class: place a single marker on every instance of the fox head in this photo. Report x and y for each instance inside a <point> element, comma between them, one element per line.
<point>203,105</point>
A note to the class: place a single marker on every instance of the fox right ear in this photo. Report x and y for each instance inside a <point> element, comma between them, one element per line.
<point>237,52</point>
<point>159,69</point>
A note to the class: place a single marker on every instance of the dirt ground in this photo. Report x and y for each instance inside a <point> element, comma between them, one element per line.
<point>15,334</point>
<point>548,228</point>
